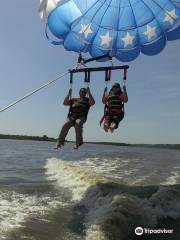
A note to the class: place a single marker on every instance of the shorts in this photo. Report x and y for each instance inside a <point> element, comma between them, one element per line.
<point>109,118</point>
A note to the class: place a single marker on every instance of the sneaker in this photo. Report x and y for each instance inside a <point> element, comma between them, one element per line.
<point>81,143</point>
<point>76,147</point>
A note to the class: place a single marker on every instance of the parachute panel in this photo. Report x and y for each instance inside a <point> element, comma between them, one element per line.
<point>121,28</point>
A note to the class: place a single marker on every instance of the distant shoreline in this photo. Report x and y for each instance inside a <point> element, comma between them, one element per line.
<point>25,137</point>
<point>47,139</point>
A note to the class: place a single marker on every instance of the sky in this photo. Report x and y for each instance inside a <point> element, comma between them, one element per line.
<point>28,60</point>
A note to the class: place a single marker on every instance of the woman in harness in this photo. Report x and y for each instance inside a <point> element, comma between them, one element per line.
<point>77,116</point>
<point>114,106</point>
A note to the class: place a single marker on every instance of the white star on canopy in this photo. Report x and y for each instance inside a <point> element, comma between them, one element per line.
<point>86,30</point>
<point>106,39</point>
<point>151,32</point>
<point>170,16</point>
<point>128,39</point>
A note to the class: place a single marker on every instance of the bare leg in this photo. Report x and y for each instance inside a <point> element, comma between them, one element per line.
<point>106,124</point>
<point>112,127</point>
<point>79,131</point>
<point>64,131</point>
<point>106,127</point>
<point>115,122</point>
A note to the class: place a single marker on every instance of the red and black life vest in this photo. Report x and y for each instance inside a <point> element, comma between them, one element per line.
<point>79,107</point>
<point>114,105</point>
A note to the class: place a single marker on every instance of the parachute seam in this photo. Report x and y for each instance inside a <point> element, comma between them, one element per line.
<point>88,43</point>
<point>113,29</point>
<point>142,25</point>
<point>120,2</point>
<point>99,28</point>
<point>134,20</point>
<point>164,33</point>
<point>118,22</point>
<point>164,9</point>
<point>81,39</point>
<point>91,44</point>
<point>78,35</point>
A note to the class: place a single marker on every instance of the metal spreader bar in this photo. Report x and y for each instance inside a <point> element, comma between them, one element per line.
<point>98,69</point>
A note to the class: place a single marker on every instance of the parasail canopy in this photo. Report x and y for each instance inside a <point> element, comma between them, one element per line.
<point>120,28</point>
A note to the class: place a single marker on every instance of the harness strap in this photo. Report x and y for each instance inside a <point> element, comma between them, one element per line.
<point>123,107</point>
<point>107,75</point>
<point>102,120</point>
<point>125,73</point>
<point>71,77</point>
<point>103,117</point>
<point>75,111</point>
<point>89,77</point>
<point>70,106</point>
<point>113,112</point>
<point>86,77</point>
<point>106,110</point>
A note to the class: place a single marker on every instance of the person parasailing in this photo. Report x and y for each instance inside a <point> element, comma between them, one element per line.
<point>114,106</point>
<point>77,116</point>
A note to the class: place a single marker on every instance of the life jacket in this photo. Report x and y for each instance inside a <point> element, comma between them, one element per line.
<point>79,108</point>
<point>114,105</point>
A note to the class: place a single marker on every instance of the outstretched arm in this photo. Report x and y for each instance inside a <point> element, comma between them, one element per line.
<point>124,96</point>
<point>91,99</point>
<point>104,95</point>
<point>67,98</point>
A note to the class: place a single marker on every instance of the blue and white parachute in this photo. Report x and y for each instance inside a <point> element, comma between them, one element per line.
<point>120,28</point>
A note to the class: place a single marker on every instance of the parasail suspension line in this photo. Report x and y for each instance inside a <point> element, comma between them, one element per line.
<point>107,76</point>
<point>87,78</point>
<point>71,80</point>
<point>125,74</point>
<point>125,77</point>
<point>84,61</point>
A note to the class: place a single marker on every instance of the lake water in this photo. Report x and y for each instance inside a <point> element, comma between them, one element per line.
<point>98,192</point>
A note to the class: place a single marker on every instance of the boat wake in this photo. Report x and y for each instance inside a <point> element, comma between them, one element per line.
<point>16,208</point>
<point>110,208</point>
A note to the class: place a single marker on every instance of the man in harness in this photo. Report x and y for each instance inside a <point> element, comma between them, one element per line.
<point>77,116</point>
<point>114,107</point>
